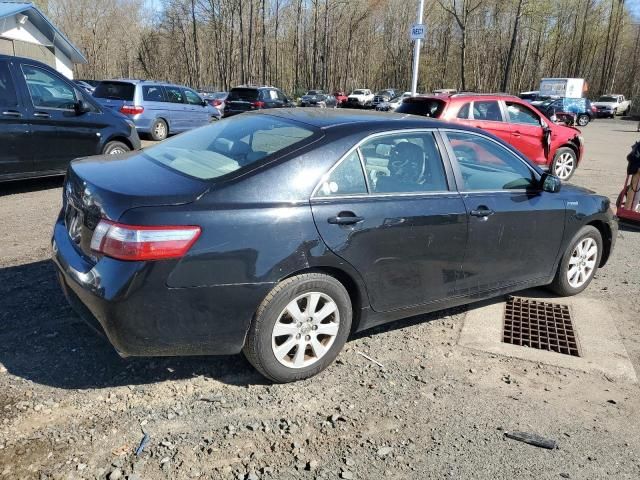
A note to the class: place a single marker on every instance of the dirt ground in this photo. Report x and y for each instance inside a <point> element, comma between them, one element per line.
<point>71,408</point>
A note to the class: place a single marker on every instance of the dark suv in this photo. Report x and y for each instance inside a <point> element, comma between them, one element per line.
<point>46,121</point>
<point>248,98</point>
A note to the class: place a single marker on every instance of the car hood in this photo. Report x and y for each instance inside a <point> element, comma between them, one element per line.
<point>570,188</point>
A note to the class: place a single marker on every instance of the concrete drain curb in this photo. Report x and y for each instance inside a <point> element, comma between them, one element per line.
<point>601,347</point>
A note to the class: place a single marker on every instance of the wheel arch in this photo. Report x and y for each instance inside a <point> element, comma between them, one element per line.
<point>118,138</point>
<point>607,240</point>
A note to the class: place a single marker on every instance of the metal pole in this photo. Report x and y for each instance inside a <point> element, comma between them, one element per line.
<point>416,53</point>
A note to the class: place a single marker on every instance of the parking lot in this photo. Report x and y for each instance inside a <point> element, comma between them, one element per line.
<point>428,407</point>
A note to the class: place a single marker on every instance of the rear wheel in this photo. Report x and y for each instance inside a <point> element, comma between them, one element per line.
<point>115,148</point>
<point>583,120</point>
<point>299,328</point>
<point>159,130</point>
<point>564,164</point>
<point>579,262</point>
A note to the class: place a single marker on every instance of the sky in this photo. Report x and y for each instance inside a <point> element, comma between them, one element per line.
<point>634,7</point>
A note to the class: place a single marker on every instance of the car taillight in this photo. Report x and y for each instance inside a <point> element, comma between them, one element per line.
<point>593,108</point>
<point>138,242</point>
<point>257,104</point>
<point>131,109</point>
<point>217,103</point>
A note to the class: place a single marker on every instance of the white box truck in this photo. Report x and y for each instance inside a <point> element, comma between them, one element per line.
<point>563,87</point>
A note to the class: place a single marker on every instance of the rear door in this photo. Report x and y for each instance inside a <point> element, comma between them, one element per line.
<point>15,132</point>
<point>527,134</point>
<point>402,225</point>
<point>60,134</point>
<point>488,115</point>
<point>515,229</point>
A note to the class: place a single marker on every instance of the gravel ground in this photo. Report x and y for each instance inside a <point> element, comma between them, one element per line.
<point>71,408</point>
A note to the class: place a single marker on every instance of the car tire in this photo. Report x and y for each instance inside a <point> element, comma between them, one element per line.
<point>565,162</point>
<point>159,130</point>
<point>276,356</point>
<point>115,148</point>
<point>583,120</point>
<point>579,262</point>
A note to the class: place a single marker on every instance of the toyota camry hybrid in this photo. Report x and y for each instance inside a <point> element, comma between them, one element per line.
<point>280,233</point>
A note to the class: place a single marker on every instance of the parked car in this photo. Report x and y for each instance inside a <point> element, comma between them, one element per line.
<point>93,83</point>
<point>581,108</point>
<point>341,97</point>
<point>46,121</point>
<point>383,96</point>
<point>318,98</point>
<point>157,109</point>
<point>611,105</point>
<point>530,96</point>
<point>445,91</point>
<point>216,100</point>
<point>556,147</point>
<point>280,233</point>
<point>248,98</point>
<point>360,98</point>
<point>87,87</point>
<point>393,104</point>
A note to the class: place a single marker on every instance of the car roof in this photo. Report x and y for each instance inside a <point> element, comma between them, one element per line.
<point>366,119</point>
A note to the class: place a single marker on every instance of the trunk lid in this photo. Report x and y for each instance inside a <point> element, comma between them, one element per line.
<point>106,187</point>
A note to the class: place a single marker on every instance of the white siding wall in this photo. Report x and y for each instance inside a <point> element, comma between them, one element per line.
<point>64,65</point>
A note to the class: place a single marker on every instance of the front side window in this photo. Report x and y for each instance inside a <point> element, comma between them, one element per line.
<point>8,97</point>
<point>192,97</point>
<point>485,165</point>
<point>404,163</point>
<point>346,179</point>
<point>222,148</point>
<point>47,90</point>
<point>518,113</point>
<point>174,95</point>
<point>488,110</point>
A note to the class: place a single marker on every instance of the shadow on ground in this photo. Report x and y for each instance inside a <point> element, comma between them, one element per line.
<point>32,185</point>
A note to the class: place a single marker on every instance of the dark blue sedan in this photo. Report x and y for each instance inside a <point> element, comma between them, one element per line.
<point>279,234</point>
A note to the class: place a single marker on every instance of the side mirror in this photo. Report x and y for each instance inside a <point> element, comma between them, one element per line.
<point>550,183</point>
<point>82,106</point>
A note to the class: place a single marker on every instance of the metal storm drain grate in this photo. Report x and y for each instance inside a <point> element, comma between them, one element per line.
<point>541,325</point>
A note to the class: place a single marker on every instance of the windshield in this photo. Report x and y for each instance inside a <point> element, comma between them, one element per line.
<point>223,147</point>
<point>115,90</point>
<point>427,107</point>
<point>358,92</point>
<point>608,98</point>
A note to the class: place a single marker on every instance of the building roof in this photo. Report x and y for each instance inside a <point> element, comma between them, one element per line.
<point>42,23</point>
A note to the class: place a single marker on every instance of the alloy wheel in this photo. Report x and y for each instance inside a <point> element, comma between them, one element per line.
<point>583,120</point>
<point>564,166</point>
<point>117,151</point>
<point>305,330</point>
<point>582,263</point>
<point>160,130</point>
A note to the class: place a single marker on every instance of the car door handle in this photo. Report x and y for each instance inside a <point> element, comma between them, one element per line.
<point>345,218</point>
<point>517,134</point>
<point>12,113</point>
<point>41,114</point>
<point>482,211</point>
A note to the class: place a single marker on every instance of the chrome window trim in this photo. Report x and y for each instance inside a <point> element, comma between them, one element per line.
<point>326,175</point>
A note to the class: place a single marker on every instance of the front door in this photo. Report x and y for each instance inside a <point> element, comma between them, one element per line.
<point>515,229</point>
<point>61,133</point>
<point>15,134</point>
<point>401,225</point>
<point>198,113</point>
<point>527,134</point>
<point>179,117</point>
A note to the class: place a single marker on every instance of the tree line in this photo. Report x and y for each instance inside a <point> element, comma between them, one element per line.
<point>474,45</point>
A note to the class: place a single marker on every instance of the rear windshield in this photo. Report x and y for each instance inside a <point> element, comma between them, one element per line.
<point>115,90</point>
<point>358,92</point>
<point>427,107</point>
<point>607,98</point>
<point>243,94</point>
<point>224,147</point>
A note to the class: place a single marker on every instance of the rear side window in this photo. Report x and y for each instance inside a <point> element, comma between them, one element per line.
<point>346,179</point>
<point>8,96</point>
<point>247,94</point>
<point>487,110</point>
<point>222,148</point>
<point>431,107</point>
<point>115,91</point>
<point>463,113</point>
<point>153,93</point>
<point>174,95</point>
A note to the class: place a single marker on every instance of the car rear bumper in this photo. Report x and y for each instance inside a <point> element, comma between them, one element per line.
<point>131,303</point>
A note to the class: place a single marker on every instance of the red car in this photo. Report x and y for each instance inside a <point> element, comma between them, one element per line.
<point>556,147</point>
<point>341,97</point>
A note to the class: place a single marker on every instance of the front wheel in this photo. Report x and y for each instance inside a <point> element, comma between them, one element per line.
<point>579,262</point>
<point>564,164</point>
<point>115,148</point>
<point>299,328</point>
<point>583,120</point>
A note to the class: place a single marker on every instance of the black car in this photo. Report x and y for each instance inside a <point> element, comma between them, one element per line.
<point>46,121</point>
<point>248,98</point>
<point>580,108</point>
<point>280,233</point>
<point>318,98</point>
